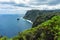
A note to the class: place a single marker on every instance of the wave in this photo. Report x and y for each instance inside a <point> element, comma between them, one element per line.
<point>26,20</point>
<point>29,21</point>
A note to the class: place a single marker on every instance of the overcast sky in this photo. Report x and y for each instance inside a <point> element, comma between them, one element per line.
<point>35,3</point>
<point>29,4</point>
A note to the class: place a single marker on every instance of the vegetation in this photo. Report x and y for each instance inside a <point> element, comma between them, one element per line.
<point>49,30</point>
<point>44,17</point>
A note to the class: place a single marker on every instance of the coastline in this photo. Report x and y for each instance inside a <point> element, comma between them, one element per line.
<point>27,20</point>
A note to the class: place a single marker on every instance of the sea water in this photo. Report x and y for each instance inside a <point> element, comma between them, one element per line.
<point>10,26</point>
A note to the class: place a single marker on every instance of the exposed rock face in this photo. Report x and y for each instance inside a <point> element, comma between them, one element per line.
<point>39,16</point>
<point>32,14</point>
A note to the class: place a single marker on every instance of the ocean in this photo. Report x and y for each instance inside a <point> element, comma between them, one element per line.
<point>12,24</point>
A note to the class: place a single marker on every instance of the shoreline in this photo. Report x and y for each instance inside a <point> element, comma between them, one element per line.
<point>27,20</point>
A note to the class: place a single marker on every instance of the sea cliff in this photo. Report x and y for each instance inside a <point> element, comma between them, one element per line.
<point>40,16</point>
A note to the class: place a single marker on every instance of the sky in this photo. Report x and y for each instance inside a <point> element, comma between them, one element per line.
<point>17,5</point>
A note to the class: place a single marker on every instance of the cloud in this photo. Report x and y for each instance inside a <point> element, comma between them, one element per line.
<point>44,2</point>
<point>36,3</point>
<point>4,0</point>
<point>32,4</point>
<point>54,2</point>
<point>9,9</point>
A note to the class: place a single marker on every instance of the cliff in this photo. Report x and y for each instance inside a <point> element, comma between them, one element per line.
<point>39,16</point>
<point>43,18</point>
<point>33,14</point>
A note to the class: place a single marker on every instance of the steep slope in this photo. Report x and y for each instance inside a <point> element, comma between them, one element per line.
<point>42,18</point>
<point>39,16</point>
<point>33,14</point>
<point>49,30</point>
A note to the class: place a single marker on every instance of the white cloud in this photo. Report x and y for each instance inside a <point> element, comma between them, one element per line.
<point>9,9</point>
<point>16,1</point>
<point>4,0</point>
<point>32,4</point>
<point>36,2</point>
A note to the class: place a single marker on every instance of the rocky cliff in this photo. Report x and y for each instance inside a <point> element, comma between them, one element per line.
<point>39,16</point>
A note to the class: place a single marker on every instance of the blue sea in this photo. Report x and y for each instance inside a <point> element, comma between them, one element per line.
<point>10,26</point>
